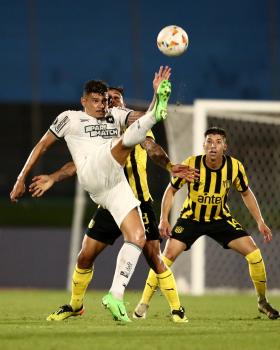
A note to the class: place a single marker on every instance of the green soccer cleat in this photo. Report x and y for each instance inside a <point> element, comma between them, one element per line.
<point>64,312</point>
<point>178,316</point>
<point>116,307</point>
<point>140,311</point>
<point>265,308</point>
<point>162,97</point>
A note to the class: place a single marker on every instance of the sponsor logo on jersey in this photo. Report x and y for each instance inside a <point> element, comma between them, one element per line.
<point>101,130</point>
<point>84,120</point>
<point>206,199</point>
<point>60,125</point>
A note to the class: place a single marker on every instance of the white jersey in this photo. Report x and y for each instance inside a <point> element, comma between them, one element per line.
<point>83,133</point>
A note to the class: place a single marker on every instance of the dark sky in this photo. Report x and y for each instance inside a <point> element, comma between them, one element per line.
<point>49,48</point>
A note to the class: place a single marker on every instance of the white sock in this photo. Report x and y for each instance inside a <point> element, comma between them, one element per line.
<point>126,262</point>
<point>136,132</point>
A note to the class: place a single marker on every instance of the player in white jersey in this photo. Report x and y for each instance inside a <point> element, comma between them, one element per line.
<point>99,159</point>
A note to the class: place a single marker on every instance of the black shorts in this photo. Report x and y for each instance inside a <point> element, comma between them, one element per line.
<point>103,227</point>
<point>222,231</point>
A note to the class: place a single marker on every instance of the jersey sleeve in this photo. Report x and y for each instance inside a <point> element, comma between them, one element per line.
<point>61,125</point>
<point>241,180</point>
<point>177,182</point>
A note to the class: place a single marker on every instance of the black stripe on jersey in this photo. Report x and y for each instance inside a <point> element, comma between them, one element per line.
<point>197,166</point>
<point>241,178</point>
<point>229,168</point>
<point>202,213</point>
<point>136,175</point>
<point>218,183</point>
<point>213,212</point>
<point>193,206</point>
<point>177,183</point>
<point>207,180</point>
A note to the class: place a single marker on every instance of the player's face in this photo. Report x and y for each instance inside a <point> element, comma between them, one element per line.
<point>214,146</point>
<point>95,104</point>
<point>115,98</point>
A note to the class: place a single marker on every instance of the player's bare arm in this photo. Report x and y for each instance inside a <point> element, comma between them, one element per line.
<point>42,183</point>
<point>41,147</point>
<point>254,209</point>
<point>160,157</point>
<point>166,205</point>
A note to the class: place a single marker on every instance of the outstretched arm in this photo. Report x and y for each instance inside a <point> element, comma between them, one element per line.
<point>166,205</point>
<point>253,207</point>
<point>41,147</point>
<point>160,157</point>
<point>41,183</point>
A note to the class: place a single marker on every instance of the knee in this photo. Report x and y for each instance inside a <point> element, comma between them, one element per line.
<point>254,257</point>
<point>139,237</point>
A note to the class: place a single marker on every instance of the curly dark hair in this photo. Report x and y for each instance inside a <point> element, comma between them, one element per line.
<point>96,86</point>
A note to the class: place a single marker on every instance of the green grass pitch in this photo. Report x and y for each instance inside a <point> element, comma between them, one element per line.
<point>229,322</point>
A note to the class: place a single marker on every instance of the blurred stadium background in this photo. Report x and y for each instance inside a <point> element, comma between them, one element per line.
<point>48,50</point>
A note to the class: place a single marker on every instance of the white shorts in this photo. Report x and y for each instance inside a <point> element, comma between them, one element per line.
<point>104,179</point>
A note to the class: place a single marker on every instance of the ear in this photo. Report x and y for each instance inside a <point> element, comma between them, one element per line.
<point>225,146</point>
<point>204,144</point>
<point>83,101</point>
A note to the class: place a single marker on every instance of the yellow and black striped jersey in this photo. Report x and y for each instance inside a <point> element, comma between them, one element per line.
<point>136,172</point>
<point>207,198</point>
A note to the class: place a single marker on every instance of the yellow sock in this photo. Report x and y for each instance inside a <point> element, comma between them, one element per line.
<point>168,288</point>
<point>80,281</point>
<point>167,261</point>
<point>152,283</point>
<point>257,272</point>
<point>150,287</point>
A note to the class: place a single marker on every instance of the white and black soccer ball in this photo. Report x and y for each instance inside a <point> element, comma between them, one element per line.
<point>172,40</point>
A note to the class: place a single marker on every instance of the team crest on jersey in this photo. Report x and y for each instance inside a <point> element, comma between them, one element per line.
<point>179,229</point>
<point>226,184</point>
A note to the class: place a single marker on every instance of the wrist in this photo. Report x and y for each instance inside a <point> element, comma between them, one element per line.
<point>169,166</point>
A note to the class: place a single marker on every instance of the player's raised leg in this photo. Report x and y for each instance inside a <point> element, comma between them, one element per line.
<point>136,132</point>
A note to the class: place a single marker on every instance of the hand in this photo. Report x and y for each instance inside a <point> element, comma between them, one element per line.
<point>40,184</point>
<point>185,172</point>
<point>18,190</point>
<point>163,74</point>
<point>164,229</point>
<point>265,231</point>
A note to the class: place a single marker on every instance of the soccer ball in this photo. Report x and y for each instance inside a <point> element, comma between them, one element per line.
<point>172,41</point>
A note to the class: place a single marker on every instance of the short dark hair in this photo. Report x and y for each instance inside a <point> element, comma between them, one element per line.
<point>96,86</point>
<point>120,89</point>
<point>215,130</point>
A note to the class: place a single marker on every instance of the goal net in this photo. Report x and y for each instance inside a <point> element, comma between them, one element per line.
<point>253,130</point>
